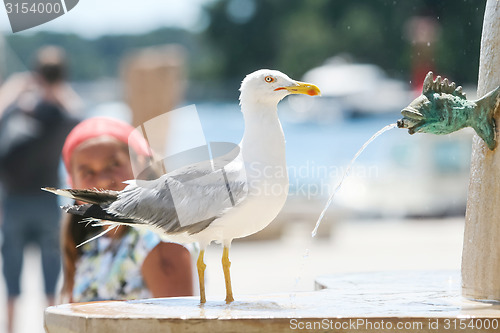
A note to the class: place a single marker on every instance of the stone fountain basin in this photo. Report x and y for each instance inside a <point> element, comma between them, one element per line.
<point>423,301</point>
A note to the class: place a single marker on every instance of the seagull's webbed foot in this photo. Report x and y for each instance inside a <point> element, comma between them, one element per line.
<point>225,266</point>
<point>201,275</point>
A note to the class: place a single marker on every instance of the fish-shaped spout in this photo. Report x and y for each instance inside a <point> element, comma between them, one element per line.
<point>443,108</point>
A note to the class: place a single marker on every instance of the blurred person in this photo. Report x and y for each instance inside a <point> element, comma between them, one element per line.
<point>47,80</point>
<point>423,32</point>
<point>145,74</point>
<point>32,131</point>
<point>125,263</point>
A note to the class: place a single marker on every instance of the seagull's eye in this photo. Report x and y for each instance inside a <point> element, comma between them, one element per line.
<point>269,79</point>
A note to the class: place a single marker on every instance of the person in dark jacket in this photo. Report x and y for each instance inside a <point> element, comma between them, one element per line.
<point>32,133</point>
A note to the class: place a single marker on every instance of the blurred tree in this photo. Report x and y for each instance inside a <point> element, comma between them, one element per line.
<point>290,35</point>
<point>100,57</point>
<point>295,35</point>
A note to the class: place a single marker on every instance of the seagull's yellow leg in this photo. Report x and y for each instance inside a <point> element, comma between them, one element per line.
<point>201,275</point>
<point>225,266</point>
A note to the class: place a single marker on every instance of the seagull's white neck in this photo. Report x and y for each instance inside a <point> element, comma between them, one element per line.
<point>263,141</point>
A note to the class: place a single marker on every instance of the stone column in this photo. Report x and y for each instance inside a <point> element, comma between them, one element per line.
<point>155,83</point>
<point>481,251</point>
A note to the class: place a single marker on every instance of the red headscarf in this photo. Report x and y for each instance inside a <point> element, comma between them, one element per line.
<point>101,126</point>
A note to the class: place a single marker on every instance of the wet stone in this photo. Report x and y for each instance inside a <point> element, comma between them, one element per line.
<point>416,301</point>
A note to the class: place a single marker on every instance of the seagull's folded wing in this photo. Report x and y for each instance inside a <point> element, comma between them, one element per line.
<point>184,201</point>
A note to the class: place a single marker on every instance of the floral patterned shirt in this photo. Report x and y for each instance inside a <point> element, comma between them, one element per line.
<point>110,269</point>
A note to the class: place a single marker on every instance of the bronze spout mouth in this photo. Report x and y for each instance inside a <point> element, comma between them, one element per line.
<point>401,123</point>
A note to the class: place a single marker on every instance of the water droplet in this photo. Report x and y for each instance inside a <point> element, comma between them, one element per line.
<point>428,44</point>
<point>348,27</point>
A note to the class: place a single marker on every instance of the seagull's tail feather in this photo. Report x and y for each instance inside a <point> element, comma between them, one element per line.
<point>98,235</point>
<point>95,212</point>
<point>98,197</point>
<point>95,209</point>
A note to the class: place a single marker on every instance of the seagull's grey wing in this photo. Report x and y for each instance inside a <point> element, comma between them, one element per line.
<point>184,201</point>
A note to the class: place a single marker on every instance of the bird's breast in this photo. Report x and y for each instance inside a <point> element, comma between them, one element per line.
<point>250,216</point>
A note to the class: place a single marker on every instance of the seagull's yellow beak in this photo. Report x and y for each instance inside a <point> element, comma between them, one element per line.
<point>302,88</point>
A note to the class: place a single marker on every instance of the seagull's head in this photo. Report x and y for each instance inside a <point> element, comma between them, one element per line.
<point>267,86</point>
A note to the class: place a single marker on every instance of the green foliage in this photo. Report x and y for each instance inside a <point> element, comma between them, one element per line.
<point>91,59</point>
<point>295,35</point>
<point>289,35</point>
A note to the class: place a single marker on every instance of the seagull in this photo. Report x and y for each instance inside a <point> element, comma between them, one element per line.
<point>234,196</point>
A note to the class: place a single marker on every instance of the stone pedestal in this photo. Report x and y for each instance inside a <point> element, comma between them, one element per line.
<point>481,253</point>
<point>376,302</point>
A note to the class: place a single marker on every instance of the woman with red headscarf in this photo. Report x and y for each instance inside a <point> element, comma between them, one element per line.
<point>128,263</point>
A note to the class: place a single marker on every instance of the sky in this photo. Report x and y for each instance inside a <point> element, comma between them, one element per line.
<point>93,18</point>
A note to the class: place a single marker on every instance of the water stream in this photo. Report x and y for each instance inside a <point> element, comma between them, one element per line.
<point>346,173</point>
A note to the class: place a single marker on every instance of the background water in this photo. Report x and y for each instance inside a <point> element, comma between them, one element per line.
<point>398,173</point>
<point>332,144</point>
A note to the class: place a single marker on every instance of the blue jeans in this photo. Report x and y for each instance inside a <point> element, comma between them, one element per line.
<point>30,220</point>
